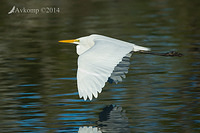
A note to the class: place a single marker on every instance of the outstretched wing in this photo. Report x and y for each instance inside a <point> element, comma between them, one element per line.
<point>96,65</point>
<point>120,70</point>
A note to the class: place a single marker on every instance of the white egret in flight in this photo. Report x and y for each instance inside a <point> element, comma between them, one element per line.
<point>101,59</point>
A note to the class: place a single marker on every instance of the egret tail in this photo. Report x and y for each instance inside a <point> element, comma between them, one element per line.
<point>140,48</point>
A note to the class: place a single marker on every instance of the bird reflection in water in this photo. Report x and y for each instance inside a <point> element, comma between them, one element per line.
<point>89,129</point>
<point>111,120</point>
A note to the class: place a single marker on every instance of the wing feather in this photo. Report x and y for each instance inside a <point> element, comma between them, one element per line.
<point>96,65</point>
<point>120,70</point>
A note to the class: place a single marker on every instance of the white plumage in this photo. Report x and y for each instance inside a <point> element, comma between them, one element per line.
<point>98,57</point>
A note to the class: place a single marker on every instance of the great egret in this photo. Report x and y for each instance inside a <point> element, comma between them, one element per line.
<point>101,59</point>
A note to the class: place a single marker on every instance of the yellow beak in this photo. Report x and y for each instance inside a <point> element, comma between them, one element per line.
<point>69,41</point>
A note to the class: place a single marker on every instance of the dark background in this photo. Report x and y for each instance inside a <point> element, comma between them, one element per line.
<point>38,90</point>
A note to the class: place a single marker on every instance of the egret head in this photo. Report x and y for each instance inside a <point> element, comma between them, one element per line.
<point>84,43</point>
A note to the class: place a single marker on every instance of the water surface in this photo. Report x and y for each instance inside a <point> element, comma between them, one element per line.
<point>38,91</point>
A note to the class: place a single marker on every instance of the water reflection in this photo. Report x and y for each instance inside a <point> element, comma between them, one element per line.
<point>111,120</point>
<point>89,130</point>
